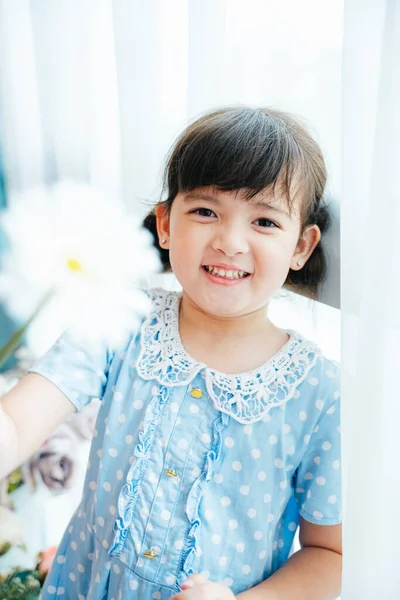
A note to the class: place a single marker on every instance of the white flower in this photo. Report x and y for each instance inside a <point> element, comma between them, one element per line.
<point>83,247</point>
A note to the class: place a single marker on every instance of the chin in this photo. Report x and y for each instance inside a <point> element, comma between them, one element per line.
<point>220,305</point>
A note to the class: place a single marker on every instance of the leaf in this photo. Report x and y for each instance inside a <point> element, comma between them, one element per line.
<point>15,340</point>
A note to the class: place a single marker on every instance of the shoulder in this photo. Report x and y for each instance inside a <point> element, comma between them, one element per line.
<point>320,374</point>
<point>306,352</point>
<point>320,393</point>
<point>301,345</point>
<point>325,371</point>
<point>154,301</point>
<point>325,379</point>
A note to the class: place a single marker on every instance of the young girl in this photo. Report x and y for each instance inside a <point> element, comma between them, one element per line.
<point>218,433</point>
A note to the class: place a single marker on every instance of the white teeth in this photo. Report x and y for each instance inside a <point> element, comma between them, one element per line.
<point>226,274</point>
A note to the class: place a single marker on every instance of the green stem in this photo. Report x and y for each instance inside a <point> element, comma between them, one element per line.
<point>15,340</point>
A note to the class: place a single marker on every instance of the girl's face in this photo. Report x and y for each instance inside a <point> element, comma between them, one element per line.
<point>231,255</point>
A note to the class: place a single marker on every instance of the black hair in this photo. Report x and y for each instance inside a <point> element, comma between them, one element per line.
<point>251,149</point>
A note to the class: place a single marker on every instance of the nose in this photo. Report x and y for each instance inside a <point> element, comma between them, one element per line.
<point>230,240</point>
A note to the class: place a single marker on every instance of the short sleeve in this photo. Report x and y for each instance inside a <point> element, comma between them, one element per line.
<point>318,477</point>
<point>77,369</point>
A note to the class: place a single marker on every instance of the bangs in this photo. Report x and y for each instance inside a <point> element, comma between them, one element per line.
<point>237,149</point>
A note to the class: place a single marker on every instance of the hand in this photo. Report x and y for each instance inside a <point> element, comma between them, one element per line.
<point>196,587</point>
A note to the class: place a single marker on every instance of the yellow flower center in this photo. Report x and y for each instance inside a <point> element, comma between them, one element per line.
<point>74,265</point>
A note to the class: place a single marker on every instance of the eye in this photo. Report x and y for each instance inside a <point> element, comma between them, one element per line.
<point>266,223</point>
<point>203,212</point>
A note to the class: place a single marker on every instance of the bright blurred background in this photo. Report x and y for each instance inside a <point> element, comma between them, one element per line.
<point>96,91</point>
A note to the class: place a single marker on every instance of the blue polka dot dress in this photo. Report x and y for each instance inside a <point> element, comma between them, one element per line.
<point>192,470</point>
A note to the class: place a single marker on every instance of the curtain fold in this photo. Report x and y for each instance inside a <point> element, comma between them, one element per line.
<point>371,298</point>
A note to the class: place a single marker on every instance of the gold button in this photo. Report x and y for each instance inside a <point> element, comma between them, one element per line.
<point>171,473</point>
<point>196,393</point>
<point>149,554</point>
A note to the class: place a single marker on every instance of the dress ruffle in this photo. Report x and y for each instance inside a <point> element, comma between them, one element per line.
<point>194,499</point>
<point>129,493</point>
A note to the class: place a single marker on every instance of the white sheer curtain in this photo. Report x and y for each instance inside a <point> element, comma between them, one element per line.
<point>58,93</point>
<point>371,298</point>
<point>97,90</point>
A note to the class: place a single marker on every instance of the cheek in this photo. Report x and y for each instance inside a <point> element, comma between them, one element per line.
<point>274,258</point>
<point>187,237</point>
<point>181,243</point>
<point>186,248</point>
<point>275,251</point>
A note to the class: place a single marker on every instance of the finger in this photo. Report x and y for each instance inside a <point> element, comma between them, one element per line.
<point>193,580</point>
<point>203,591</point>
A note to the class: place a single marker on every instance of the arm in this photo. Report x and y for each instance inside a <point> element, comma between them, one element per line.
<point>312,573</point>
<point>29,413</point>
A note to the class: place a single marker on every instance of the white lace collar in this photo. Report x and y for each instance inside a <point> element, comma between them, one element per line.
<point>246,397</point>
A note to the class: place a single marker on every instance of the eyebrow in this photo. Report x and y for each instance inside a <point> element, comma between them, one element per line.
<point>193,197</point>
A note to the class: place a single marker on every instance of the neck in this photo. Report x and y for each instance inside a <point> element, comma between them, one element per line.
<point>194,320</point>
<point>229,345</point>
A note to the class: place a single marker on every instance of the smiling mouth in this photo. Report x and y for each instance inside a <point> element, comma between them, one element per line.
<point>225,273</point>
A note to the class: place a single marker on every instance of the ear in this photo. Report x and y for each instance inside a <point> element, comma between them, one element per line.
<point>162,220</point>
<point>305,246</point>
